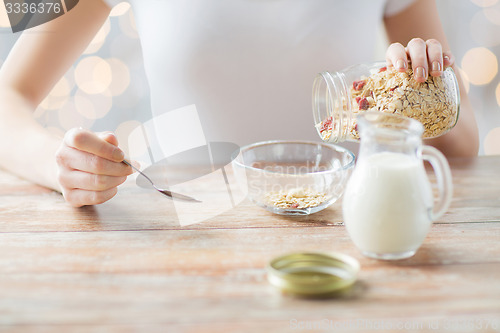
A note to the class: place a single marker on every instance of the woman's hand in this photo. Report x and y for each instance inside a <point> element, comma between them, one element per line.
<point>89,167</point>
<point>427,57</point>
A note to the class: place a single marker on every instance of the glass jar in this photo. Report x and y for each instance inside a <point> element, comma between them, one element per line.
<point>338,97</point>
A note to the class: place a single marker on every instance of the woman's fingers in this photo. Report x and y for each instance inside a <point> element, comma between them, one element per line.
<point>417,51</point>
<point>434,57</point>
<point>90,142</point>
<point>90,167</point>
<point>426,57</point>
<point>448,59</point>
<point>81,188</point>
<point>108,137</point>
<point>396,57</point>
<point>75,159</point>
<point>79,198</point>
<point>75,179</point>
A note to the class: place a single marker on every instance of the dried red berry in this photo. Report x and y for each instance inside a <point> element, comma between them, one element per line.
<point>358,85</point>
<point>326,125</point>
<point>363,104</point>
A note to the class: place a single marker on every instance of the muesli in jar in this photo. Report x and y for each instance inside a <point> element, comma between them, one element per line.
<point>434,103</point>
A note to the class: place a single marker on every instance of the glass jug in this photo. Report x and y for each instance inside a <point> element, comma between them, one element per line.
<point>388,204</point>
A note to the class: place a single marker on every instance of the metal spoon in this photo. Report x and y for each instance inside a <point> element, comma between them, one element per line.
<point>170,194</point>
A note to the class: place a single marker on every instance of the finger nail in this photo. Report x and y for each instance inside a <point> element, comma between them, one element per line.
<point>447,60</point>
<point>118,155</point>
<point>420,73</point>
<point>401,64</point>
<point>436,66</point>
<point>136,164</point>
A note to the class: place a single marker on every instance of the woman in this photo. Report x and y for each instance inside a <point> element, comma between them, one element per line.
<point>247,65</point>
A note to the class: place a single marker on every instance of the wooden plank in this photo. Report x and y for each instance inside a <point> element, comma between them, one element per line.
<point>364,325</point>
<point>212,251</point>
<point>25,207</point>
<point>476,196</point>
<point>141,299</point>
<point>132,209</point>
<point>128,266</point>
<point>205,277</point>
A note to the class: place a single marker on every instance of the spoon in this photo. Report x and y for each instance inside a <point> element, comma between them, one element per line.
<point>170,194</point>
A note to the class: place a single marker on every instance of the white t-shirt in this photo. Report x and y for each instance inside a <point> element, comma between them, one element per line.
<point>248,65</point>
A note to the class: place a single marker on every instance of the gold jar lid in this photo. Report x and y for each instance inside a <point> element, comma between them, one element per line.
<point>313,274</point>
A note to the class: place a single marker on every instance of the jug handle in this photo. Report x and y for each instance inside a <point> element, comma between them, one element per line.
<point>443,178</point>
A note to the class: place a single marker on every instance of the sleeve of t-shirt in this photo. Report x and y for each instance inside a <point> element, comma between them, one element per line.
<point>112,3</point>
<point>393,7</point>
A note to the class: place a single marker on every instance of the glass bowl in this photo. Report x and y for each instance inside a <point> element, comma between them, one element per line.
<point>293,177</point>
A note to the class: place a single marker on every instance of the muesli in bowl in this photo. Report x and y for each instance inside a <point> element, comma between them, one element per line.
<point>293,177</point>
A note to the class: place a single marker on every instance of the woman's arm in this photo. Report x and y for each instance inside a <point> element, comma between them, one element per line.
<point>37,61</point>
<point>422,20</point>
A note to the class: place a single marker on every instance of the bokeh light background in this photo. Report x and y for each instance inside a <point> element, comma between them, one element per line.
<point>106,88</point>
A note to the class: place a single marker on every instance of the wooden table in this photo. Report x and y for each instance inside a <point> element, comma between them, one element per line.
<point>127,266</point>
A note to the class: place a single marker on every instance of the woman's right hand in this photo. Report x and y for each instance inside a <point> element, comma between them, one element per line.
<point>90,167</point>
